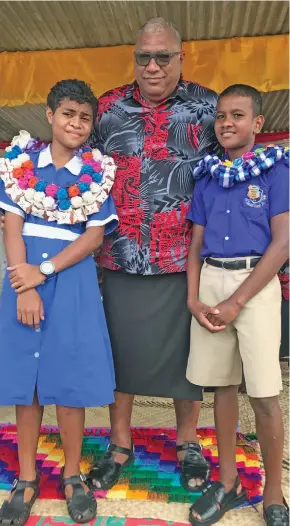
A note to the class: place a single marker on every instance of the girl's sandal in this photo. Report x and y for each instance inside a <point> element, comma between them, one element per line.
<point>194,466</point>
<point>16,511</point>
<point>82,506</point>
<point>215,502</point>
<point>277,514</point>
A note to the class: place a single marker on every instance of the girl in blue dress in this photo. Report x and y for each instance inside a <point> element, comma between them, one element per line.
<point>54,343</point>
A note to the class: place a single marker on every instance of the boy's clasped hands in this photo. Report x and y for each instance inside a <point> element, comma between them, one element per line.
<point>215,319</point>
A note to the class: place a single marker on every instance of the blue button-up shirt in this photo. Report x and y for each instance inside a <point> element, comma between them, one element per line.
<point>237,219</point>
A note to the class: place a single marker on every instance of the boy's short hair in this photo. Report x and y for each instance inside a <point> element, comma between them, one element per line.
<point>72,89</point>
<point>244,90</point>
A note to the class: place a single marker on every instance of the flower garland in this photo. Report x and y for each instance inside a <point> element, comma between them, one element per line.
<point>66,205</point>
<point>250,165</point>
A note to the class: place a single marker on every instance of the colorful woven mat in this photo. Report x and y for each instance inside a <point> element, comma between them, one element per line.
<point>100,521</point>
<point>154,475</point>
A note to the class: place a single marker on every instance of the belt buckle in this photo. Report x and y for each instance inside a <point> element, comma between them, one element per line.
<point>223,267</point>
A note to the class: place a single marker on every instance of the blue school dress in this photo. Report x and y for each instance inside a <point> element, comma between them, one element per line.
<point>68,361</point>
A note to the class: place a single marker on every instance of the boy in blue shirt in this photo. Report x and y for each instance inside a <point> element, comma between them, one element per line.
<point>240,238</point>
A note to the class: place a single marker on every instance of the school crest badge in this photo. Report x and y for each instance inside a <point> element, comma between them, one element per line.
<point>255,197</point>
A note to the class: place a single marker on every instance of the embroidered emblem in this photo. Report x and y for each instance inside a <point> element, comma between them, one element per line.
<point>255,197</point>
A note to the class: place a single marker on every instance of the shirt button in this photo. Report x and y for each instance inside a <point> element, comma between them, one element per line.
<point>44,255</point>
<point>36,355</point>
<point>228,211</point>
<point>227,238</point>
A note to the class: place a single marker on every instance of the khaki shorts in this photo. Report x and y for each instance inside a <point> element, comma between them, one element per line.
<point>251,341</point>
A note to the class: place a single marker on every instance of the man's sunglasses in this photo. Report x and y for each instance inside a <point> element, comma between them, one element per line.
<point>161,59</point>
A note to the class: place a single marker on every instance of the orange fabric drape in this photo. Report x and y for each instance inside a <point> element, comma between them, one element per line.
<point>263,62</point>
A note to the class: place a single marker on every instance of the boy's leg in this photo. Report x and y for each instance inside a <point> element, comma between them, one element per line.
<point>71,421</point>
<point>259,333</point>
<point>226,413</point>
<point>270,433</point>
<point>28,419</point>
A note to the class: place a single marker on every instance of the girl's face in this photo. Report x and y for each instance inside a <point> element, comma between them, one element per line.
<point>236,125</point>
<point>71,123</point>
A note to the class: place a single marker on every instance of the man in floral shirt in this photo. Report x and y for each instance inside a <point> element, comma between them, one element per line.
<point>157,129</point>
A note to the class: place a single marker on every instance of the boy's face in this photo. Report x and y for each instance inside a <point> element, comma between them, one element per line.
<point>71,123</point>
<point>235,124</point>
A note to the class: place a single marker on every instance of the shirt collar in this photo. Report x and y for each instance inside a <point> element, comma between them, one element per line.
<point>134,92</point>
<point>74,166</point>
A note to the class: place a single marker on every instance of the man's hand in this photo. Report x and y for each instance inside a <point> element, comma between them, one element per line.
<point>30,308</point>
<point>228,311</point>
<point>202,312</point>
<point>25,276</point>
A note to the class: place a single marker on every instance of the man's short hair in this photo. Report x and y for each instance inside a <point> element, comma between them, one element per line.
<point>244,90</point>
<point>72,89</point>
<point>157,23</point>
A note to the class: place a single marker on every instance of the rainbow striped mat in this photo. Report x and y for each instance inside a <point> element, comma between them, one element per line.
<point>154,475</point>
<point>100,521</point>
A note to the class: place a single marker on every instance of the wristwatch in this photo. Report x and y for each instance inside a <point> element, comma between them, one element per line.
<point>47,268</point>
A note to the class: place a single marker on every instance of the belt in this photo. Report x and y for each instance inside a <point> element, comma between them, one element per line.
<point>237,264</point>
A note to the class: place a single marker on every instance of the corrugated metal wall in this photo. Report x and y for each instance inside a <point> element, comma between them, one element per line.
<point>63,25</point>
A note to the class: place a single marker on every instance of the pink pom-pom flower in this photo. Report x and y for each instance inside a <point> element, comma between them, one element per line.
<point>51,190</point>
<point>248,155</point>
<point>86,178</point>
<point>96,166</point>
<point>23,183</point>
<point>28,174</point>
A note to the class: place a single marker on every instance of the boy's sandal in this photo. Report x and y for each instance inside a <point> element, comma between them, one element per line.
<point>16,511</point>
<point>215,502</point>
<point>194,466</point>
<point>107,471</point>
<point>277,514</point>
<point>82,506</point>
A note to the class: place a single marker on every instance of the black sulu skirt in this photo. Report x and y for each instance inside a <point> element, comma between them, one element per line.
<point>149,327</point>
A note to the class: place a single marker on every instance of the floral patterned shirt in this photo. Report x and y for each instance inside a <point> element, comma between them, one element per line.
<point>154,149</point>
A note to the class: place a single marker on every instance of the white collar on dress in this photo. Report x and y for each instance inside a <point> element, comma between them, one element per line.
<point>74,166</point>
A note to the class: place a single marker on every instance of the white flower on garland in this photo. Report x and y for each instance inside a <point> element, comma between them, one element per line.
<point>77,201</point>
<point>49,203</point>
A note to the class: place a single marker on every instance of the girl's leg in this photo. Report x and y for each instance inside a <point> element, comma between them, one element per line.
<point>81,503</point>
<point>28,419</point>
<point>71,421</point>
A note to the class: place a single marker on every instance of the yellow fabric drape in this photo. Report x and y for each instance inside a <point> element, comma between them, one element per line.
<point>263,62</point>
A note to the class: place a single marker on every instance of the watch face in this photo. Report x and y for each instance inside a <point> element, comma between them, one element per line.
<point>47,267</point>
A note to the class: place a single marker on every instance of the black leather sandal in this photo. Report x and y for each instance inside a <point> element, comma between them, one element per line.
<point>82,506</point>
<point>277,514</point>
<point>16,511</point>
<point>215,502</point>
<point>107,471</point>
<point>194,466</point>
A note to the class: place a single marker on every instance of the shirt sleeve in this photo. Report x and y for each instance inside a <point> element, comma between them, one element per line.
<point>6,204</point>
<point>196,212</point>
<point>279,190</point>
<point>107,216</point>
